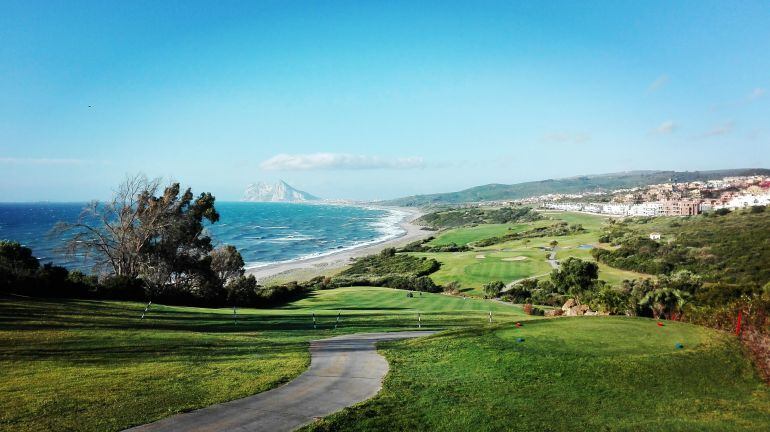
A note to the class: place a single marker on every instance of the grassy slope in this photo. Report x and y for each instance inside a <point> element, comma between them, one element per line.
<point>733,248</point>
<point>94,366</point>
<point>607,374</point>
<point>473,271</point>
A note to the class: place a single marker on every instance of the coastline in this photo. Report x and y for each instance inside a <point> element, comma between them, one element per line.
<point>325,265</point>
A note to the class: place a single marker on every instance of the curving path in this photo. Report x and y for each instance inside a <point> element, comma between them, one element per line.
<point>344,370</point>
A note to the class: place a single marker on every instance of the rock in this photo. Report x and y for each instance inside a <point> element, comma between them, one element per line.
<point>591,313</point>
<point>578,310</point>
<point>279,192</point>
<point>554,312</point>
<point>569,304</point>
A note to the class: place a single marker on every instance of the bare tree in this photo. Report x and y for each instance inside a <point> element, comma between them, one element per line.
<point>111,234</point>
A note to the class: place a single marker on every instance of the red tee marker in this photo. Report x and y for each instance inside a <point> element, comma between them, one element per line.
<point>518,324</point>
<point>660,324</point>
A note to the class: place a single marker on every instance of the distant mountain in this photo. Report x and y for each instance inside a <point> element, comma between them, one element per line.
<point>278,192</point>
<point>588,183</point>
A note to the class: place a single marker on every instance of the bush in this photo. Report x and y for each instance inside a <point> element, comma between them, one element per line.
<point>122,288</point>
<point>529,309</point>
<point>388,263</point>
<point>493,289</point>
<point>452,288</point>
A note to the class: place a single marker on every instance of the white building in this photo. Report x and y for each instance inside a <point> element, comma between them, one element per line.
<point>746,201</point>
<point>646,209</point>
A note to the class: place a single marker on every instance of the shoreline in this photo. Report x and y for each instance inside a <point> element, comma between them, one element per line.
<point>307,268</point>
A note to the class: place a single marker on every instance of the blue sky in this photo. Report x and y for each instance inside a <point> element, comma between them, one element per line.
<point>368,100</point>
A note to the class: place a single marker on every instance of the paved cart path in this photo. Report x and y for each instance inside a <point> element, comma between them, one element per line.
<point>344,370</point>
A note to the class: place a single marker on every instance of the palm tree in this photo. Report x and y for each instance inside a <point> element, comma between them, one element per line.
<point>665,302</point>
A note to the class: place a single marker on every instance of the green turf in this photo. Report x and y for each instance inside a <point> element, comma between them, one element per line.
<point>600,373</point>
<point>474,269</point>
<point>94,366</point>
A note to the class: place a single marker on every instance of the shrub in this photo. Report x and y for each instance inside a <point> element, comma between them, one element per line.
<point>493,289</point>
<point>122,288</point>
<point>529,309</point>
<point>452,288</point>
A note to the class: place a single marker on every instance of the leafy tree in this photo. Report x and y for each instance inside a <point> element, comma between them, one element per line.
<point>242,290</point>
<point>16,259</point>
<point>494,288</point>
<point>614,301</point>
<point>665,302</point>
<point>575,277</point>
<point>553,243</point>
<point>227,263</point>
<point>157,237</point>
<point>683,280</point>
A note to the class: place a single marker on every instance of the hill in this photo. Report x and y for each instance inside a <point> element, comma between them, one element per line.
<point>600,182</point>
<point>279,192</point>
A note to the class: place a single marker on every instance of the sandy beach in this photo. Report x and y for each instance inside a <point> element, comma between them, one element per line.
<point>329,264</point>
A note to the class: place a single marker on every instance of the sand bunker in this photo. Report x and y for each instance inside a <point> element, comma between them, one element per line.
<point>480,256</point>
<point>518,258</point>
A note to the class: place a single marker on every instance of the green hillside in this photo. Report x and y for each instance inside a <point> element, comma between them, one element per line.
<point>567,374</point>
<point>601,182</point>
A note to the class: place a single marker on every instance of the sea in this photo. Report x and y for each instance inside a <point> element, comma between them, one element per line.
<point>264,233</point>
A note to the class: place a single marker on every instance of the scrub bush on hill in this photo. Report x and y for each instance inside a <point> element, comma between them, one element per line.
<point>388,262</point>
<point>555,230</point>
<point>474,216</point>
<point>422,246</point>
<point>731,249</point>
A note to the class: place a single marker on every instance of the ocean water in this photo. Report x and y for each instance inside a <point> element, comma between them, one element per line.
<point>264,233</point>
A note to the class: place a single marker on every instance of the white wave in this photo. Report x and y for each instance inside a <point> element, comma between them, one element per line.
<point>389,226</point>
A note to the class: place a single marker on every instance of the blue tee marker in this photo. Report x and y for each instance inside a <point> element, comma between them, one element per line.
<point>679,346</point>
<point>519,339</point>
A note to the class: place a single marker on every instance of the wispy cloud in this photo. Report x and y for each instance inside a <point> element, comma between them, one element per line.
<point>756,94</point>
<point>566,137</point>
<point>46,161</point>
<point>666,128</point>
<point>658,84</point>
<point>718,130</point>
<point>337,161</point>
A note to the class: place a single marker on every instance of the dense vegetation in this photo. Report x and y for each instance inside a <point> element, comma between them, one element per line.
<point>604,182</point>
<point>472,216</point>
<point>389,262</point>
<point>732,249</point>
<point>424,246</point>
<point>556,230</point>
<point>389,269</point>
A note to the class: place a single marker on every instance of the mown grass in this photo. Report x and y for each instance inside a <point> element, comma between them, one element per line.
<point>474,269</point>
<point>95,366</point>
<point>601,373</point>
